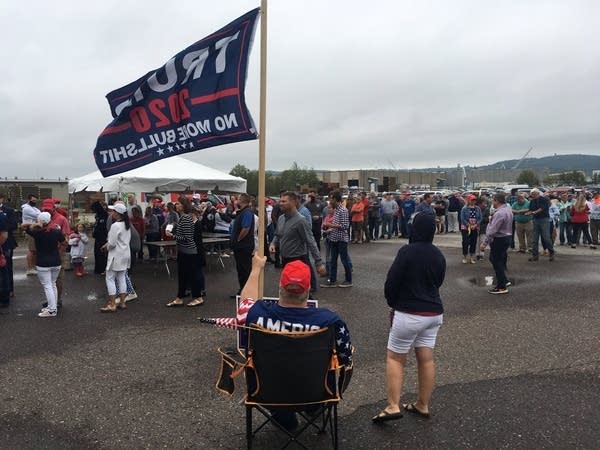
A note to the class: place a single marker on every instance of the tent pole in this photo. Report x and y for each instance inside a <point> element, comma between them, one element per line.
<point>262,138</point>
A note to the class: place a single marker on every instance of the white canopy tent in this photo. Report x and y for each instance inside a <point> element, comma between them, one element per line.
<point>172,174</point>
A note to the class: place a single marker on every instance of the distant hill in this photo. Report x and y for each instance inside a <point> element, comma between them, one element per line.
<point>556,163</point>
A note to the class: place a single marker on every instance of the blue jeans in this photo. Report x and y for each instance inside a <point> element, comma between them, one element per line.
<point>340,249</point>
<point>541,229</point>
<point>565,233</point>
<point>407,226</point>
<point>313,276</point>
<point>328,255</point>
<point>386,225</point>
<point>373,228</point>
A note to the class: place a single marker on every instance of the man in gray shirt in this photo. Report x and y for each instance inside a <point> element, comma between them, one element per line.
<point>293,235</point>
<point>389,207</point>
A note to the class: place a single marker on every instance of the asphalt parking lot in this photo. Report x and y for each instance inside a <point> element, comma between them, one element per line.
<point>513,371</point>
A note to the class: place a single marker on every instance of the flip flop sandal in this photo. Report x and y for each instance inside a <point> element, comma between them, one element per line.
<point>196,302</point>
<point>175,303</point>
<point>385,416</point>
<point>411,408</point>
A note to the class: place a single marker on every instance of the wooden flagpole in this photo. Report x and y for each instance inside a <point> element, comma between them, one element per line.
<point>262,138</point>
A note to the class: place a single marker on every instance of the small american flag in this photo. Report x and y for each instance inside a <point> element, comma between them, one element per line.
<point>231,322</point>
<point>243,309</point>
<point>225,322</point>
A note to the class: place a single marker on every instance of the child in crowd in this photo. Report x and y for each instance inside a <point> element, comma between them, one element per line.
<point>78,240</point>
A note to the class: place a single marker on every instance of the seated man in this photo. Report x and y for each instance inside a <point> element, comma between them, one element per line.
<point>292,314</point>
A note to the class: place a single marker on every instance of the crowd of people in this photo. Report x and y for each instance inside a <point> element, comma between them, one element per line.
<point>54,245</point>
<point>526,218</point>
<point>295,229</point>
<point>294,233</point>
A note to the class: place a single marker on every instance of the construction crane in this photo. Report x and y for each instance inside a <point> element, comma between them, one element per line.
<point>516,166</point>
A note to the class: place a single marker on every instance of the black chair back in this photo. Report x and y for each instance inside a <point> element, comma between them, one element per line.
<point>289,369</point>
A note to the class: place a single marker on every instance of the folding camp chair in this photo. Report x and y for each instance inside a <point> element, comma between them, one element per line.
<point>293,372</point>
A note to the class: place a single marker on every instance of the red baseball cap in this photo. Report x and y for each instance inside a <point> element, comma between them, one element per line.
<point>48,204</point>
<point>295,277</point>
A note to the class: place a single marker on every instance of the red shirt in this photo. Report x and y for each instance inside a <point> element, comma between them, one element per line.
<point>138,223</point>
<point>365,202</point>
<point>62,212</point>
<point>60,221</point>
<point>582,216</point>
<point>358,212</point>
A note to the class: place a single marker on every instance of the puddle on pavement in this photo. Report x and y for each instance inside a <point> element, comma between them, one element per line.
<point>490,281</point>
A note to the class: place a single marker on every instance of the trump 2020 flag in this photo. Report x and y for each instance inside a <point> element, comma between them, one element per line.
<point>196,100</point>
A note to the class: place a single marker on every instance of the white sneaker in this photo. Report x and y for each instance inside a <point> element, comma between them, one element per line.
<point>472,260</point>
<point>47,313</point>
<point>464,260</point>
<point>131,297</point>
<point>31,272</point>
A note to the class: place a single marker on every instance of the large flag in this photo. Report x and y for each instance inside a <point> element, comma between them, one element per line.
<point>196,100</point>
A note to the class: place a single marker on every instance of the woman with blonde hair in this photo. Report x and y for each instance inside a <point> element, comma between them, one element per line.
<point>580,218</point>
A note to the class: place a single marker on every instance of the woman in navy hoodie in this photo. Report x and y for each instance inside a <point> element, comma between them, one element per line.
<point>412,291</point>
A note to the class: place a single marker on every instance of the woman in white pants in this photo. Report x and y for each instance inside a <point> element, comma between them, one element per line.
<point>119,257</point>
<point>47,242</point>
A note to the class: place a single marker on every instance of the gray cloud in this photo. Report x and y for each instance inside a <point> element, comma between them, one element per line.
<point>350,85</point>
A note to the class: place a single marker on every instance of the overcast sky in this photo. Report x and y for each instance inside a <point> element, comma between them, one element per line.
<point>351,84</point>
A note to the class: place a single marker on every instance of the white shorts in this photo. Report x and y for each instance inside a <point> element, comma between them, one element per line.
<point>410,330</point>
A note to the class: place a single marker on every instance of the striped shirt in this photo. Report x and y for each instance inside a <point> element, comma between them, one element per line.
<point>340,217</point>
<point>185,235</point>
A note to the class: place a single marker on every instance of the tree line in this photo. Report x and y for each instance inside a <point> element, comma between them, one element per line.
<point>295,178</point>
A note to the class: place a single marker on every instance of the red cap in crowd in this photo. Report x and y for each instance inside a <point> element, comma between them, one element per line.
<point>48,204</point>
<point>295,277</point>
